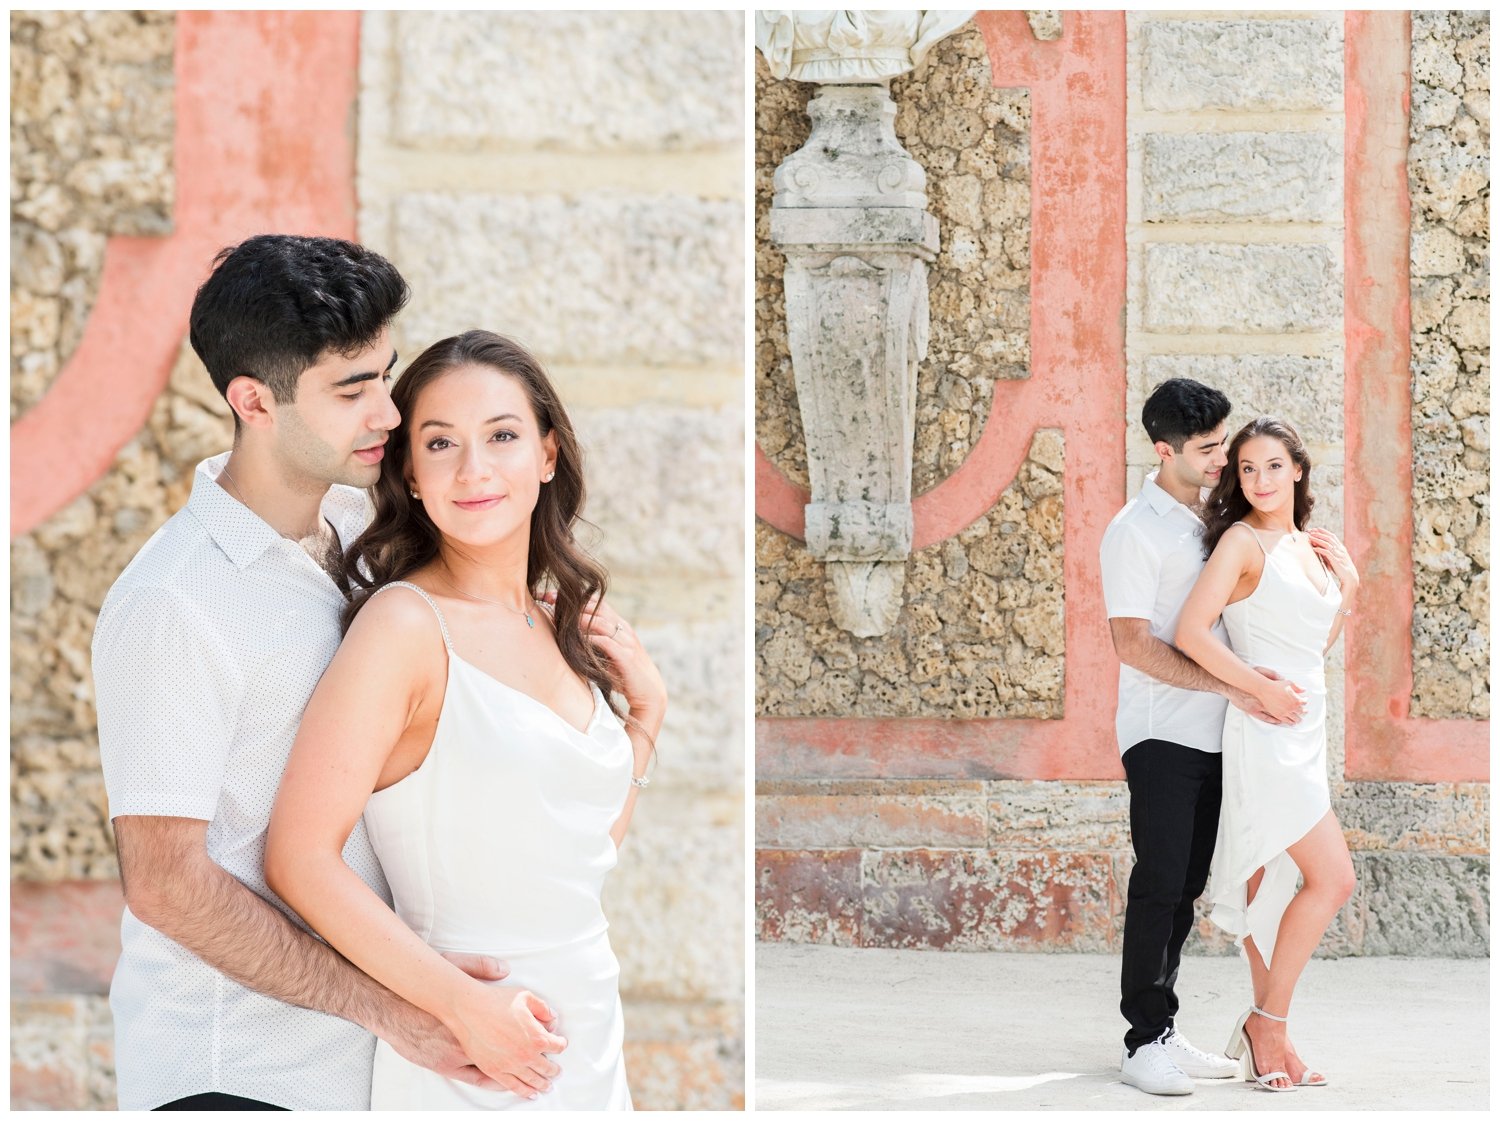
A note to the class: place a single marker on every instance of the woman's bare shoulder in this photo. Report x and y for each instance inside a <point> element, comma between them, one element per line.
<point>399,625</point>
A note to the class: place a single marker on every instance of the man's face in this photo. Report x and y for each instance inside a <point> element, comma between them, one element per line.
<point>335,431</point>
<point>1201,460</point>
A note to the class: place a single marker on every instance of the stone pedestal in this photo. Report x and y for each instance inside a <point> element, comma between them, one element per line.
<point>850,215</point>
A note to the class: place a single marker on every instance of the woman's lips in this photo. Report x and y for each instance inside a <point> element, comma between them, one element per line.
<point>478,503</point>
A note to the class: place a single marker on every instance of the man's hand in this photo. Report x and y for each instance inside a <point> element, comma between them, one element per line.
<point>1282,701</point>
<point>505,1031</point>
<point>1251,705</point>
<point>422,1039</point>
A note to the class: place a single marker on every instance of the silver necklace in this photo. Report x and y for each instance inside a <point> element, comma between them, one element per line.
<point>530,622</point>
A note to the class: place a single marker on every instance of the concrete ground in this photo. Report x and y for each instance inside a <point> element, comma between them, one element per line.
<point>911,1029</point>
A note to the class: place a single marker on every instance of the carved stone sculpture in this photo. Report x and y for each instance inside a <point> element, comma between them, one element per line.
<point>850,214</point>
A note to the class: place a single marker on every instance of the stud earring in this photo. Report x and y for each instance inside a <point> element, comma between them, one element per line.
<point>417,496</point>
<point>547,478</point>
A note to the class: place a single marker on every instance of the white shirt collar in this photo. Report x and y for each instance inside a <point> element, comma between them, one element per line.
<point>242,534</point>
<point>1160,501</point>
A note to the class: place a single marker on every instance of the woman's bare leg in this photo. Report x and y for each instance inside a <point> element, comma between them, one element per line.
<point>1327,882</point>
<point>1259,979</point>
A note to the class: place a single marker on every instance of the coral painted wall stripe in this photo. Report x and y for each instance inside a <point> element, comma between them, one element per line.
<point>264,104</point>
<point>1382,739</point>
<point>1077,384</point>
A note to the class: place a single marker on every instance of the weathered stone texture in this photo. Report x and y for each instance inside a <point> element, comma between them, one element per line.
<point>974,142</point>
<point>645,461</point>
<point>657,892</point>
<point>602,277</point>
<point>62,1053</point>
<point>1229,176</point>
<point>1421,905</point>
<point>1448,174</point>
<point>1293,387</point>
<point>685,1056</point>
<point>60,573</point>
<point>985,900</point>
<point>980,633</point>
<point>1265,64</point>
<point>1242,288</point>
<point>576,81</point>
<point>963,864</point>
<point>91,155</point>
<point>808,897</point>
<point>703,738</point>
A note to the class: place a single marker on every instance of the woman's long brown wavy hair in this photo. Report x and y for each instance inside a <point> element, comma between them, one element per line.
<point>1227,503</point>
<point>401,538</point>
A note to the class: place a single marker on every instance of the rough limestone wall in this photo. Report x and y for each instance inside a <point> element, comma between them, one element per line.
<point>1234,207</point>
<point>575,180</point>
<point>981,630</point>
<point>1448,171</point>
<point>91,155</point>
<point>1235,231</point>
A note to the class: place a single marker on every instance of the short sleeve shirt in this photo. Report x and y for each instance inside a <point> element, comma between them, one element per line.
<point>207,650</point>
<point>1150,558</point>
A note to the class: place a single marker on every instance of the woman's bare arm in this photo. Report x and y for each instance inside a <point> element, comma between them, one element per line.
<point>390,667</point>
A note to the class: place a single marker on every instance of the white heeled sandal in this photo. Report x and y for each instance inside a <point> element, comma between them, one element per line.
<point>1241,1048</point>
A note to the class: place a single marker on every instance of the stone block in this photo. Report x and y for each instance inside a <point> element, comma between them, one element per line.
<point>601,278</point>
<point>1422,906</point>
<point>61,1053</point>
<point>1058,816</point>
<point>1233,176</point>
<point>1270,64</point>
<point>1269,289</point>
<point>666,487</point>
<point>685,1056</point>
<point>573,81</point>
<point>1436,251</point>
<point>676,908</point>
<point>985,900</point>
<point>812,821</point>
<point>812,897</point>
<point>1451,819</point>
<point>1300,389</point>
<point>64,938</point>
<point>702,742</point>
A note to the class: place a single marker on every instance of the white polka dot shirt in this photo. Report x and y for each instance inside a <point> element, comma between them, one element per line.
<point>206,652</point>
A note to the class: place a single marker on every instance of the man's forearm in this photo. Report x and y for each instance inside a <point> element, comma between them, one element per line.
<point>1171,666</point>
<point>247,939</point>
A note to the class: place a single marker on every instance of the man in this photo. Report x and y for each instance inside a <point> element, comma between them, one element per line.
<point>1170,721</point>
<point>206,651</point>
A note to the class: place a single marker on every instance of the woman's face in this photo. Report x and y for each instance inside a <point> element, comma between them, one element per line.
<point>1267,473</point>
<point>477,455</point>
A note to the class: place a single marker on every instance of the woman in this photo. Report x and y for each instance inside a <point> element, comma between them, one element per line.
<point>466,716</point>
<point>1284,591</point>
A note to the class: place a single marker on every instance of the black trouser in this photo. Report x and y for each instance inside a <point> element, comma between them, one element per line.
<point>218,1102</point>
<point>1174,821</point>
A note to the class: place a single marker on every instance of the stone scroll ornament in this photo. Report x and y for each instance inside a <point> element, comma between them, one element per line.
<point>850,215</point>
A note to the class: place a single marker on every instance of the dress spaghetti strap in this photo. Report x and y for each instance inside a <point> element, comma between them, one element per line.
<point>1247,525</point>
<point>432,603</point>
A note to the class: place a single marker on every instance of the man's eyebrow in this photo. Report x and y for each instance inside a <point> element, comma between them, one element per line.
<point>367,375</point>
<point>445,424</point>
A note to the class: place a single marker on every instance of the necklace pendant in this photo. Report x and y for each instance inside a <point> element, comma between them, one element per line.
<point>529,621</point>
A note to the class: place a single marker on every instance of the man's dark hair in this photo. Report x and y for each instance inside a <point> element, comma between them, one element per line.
<point>276,303</point>
<point>1180,408</point>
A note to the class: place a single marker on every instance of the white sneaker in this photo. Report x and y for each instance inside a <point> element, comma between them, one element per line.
<point>1151,1069</point>
<point>1195,1063</point>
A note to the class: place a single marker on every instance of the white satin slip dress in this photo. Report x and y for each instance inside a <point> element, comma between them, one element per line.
<point>1275,776</point>
<point>499,844</point>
